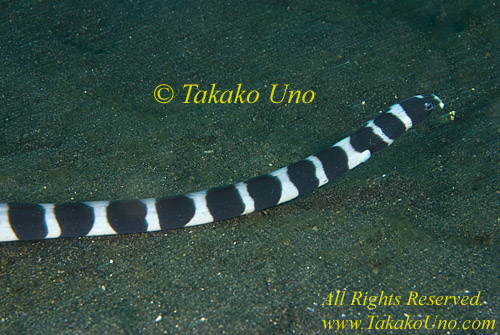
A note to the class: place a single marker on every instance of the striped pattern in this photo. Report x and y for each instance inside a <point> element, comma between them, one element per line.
<point>19,221</point>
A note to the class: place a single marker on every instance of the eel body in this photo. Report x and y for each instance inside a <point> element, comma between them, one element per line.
<point>23,221</point>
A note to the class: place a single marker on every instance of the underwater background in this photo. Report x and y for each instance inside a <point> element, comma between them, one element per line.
<point>79,122</point>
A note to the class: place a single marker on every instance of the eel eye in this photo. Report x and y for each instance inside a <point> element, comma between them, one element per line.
<point>428,106</point>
